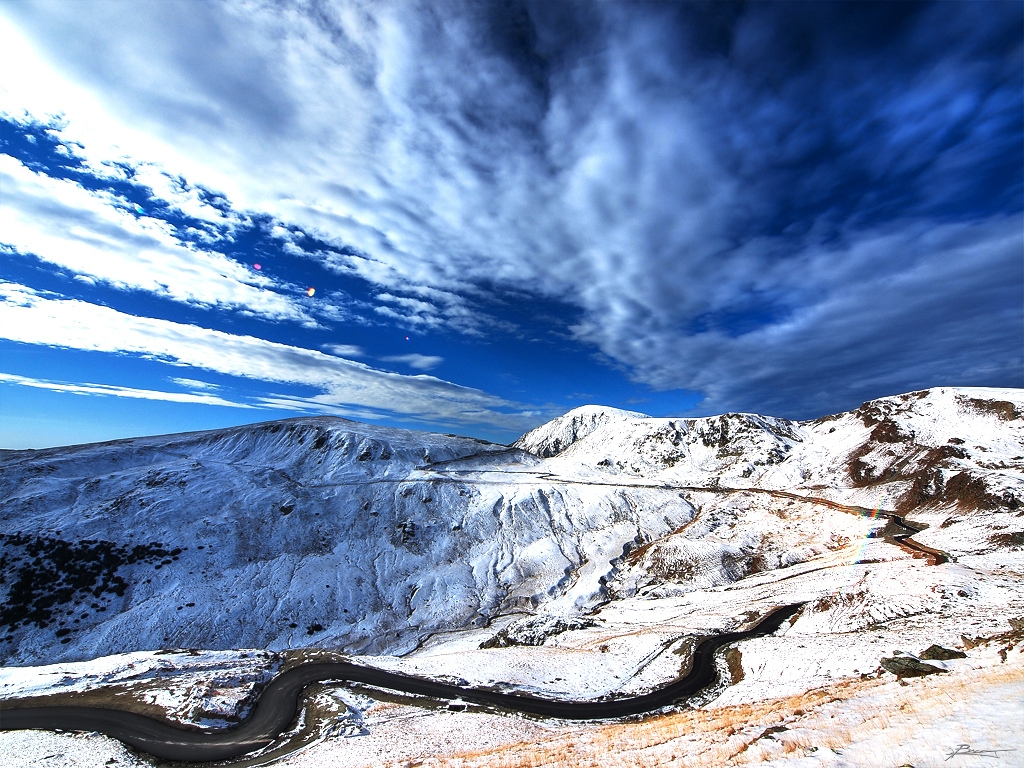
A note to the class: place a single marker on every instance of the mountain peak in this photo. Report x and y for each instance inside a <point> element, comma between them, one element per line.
<point>552,438</point>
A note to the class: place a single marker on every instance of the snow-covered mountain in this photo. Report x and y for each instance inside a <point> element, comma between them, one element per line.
<point>304,531</point>
<point>327,532</point>
<point>908,448</point>
<point>559,434</point>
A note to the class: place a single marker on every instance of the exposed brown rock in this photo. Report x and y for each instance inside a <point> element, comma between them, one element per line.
<point>1004,409</point>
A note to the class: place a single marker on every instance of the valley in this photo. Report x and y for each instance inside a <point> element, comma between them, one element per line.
<point>175,577</point>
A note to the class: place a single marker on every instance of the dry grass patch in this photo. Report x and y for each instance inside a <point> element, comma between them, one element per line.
<point>695,737</point>
<point>851,711</point>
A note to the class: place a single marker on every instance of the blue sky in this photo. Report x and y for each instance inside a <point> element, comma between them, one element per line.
<point>504,210</point>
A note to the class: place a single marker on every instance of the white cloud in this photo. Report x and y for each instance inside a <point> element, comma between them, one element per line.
<point>178,194</point>
<point>30,317</point>
<point>112,390</point>
<point>84,231</point>
<point>357,168</point>
<point>618,173</point>
<point>435,156</point>
<point>344,350</point>
<point>419,362</point>
<point>193,383</point>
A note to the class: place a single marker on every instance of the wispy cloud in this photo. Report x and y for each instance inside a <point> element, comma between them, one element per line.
<point>853,324</point>
<point>193,383</point>
<point>112,390</point>
<point>419,362</point>
<point>344,350</point>
<point>30,317</point>
<point>722,193</point>
<point>94,235</point>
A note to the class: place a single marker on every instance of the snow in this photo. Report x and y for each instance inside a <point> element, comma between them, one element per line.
<point>637,535</point>
<point>208,688</point>
<point>31,749</point>
<point>287,529</point>
<point>559,434</point>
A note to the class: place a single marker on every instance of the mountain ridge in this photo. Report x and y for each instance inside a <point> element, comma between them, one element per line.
<point>327,532</point>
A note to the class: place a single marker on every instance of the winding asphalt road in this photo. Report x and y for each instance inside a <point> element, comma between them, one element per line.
<point>279,703</point>
<point>898,531</point>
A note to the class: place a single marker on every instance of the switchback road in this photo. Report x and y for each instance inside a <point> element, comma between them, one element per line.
<point>280,702</point>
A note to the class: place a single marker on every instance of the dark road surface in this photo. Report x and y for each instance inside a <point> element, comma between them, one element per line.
<point>279,704</point>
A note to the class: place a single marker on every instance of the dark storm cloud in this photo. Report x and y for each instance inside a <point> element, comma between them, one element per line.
<point>787,207</point>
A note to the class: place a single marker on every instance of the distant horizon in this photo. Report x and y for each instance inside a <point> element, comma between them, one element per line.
<point>472,219</point>
<point>244,424</point>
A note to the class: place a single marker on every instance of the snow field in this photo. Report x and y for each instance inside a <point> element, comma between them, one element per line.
<point>413,550</point>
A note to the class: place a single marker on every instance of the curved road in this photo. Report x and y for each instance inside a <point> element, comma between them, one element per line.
<point>279,703</point>
<point>897,532</point>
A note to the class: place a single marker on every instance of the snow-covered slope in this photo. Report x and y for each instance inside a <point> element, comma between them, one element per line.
<point>901,449</point>
<point>307,531</point>
<point>322,531</point>
<point>557,435</point>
